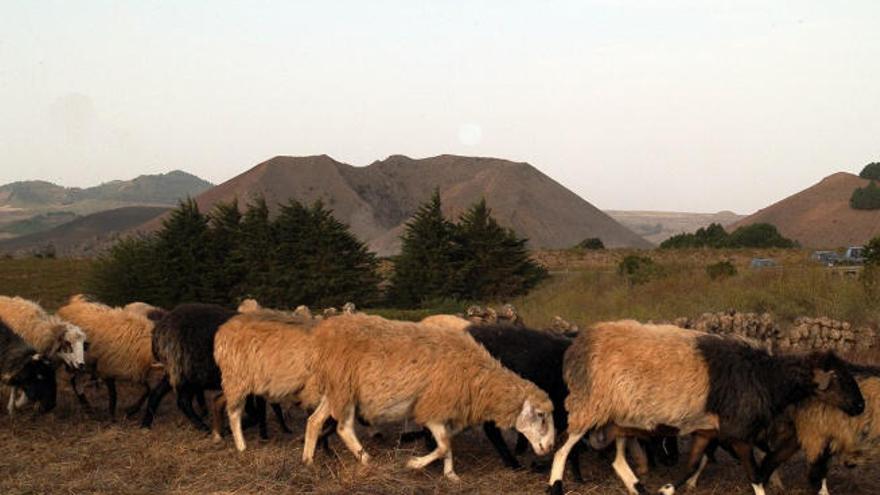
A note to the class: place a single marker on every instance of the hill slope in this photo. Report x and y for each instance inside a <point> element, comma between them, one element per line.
<point>34,206</point>
<point>820,216</point>
<point>657,226</point>
<point>378,199</point>
<point>85,235</point>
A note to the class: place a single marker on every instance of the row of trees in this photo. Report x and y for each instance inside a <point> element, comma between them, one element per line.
<point>757,235</point>
<point>303,255</point>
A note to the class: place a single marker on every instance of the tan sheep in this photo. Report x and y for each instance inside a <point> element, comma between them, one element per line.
<point>820,427</point>
<point>451,322</point>
<point>120,345</point>
<point>154,313</point>
<point>48,334</point>
<point>391,371</point>
<point>263,355</point>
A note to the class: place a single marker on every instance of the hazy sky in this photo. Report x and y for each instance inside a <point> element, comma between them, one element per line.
<point>633,104</point>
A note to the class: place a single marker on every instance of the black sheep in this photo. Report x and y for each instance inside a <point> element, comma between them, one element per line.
<point>183,341</point>
<point>537,356</point>
<point>22,368</point>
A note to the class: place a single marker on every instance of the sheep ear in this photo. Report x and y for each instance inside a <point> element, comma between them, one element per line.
<point>822,379</point>
<point>528,409</point>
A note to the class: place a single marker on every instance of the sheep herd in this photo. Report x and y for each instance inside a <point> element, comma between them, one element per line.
<point>629,387</point>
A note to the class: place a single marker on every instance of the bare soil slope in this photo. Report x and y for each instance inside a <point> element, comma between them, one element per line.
<point>377,200</point>
<point>820,216</point>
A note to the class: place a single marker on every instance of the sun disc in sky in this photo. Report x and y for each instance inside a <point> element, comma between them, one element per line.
<point>470,134</point>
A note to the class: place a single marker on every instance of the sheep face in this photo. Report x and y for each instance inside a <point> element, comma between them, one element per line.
<point>71,347</point>
<point>835,385</point>
<point>536,425</point>
<point>37,379</point>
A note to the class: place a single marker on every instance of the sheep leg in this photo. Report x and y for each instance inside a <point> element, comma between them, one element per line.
<point>235,410</point>
<point>313,428</point>
<point>574,462</point>
<point>200,400</point>
<point>818,475</point>
<point>522,444</point>
<point>621,467</point>
<point>328,430</point>
<point>80,396</point>
<point>639,454</point>
<point>443,450</point>
<point>559,459</point>
<point>494,436</point>
<point>746,457</point>
<point>11,407</point>
<point>279,416</point>
<point>136,407</point>
<point>185,404</point>
<point>111,392</point>
<point>156,396</point>
<point>696,462</point>
<point>217,406</point>
<point>345,430</point>
<point>786,449</point>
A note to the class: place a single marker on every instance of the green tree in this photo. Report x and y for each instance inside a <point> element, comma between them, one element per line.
<point>591,243</point>
<point>225,268</point>
<point>254,253</point>
<point>182,255</point>
<point>424,269</point>
<point>126,272</point>
<point>638,269</point>
<point>866,198</point>
<point>491,262</point>
<point>871,171</point>
<point>758,235</point>
<point>318,261</point>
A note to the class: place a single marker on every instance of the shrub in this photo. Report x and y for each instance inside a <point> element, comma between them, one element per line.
<point>720,270</point>
<point>866,198</point>
<point>756,235</point>
<point>592,243</point>
<point>871,171</point>
<point>638,269</point>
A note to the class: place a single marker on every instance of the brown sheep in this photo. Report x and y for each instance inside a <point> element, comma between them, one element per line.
<point>120,346</point>
<point>263,355</point>
<point>451,322</point>
<point>391,371</point>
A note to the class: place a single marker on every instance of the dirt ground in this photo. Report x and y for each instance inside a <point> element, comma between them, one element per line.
<point>69,451</point>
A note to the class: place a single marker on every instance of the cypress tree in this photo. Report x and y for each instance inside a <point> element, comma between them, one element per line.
<point>254,253</point>
<point>127,272</point>
<point>424,268</point>
<point>225,268</point>
<point>181,255</point>
<point>491,261</point>
<point>318,261</point>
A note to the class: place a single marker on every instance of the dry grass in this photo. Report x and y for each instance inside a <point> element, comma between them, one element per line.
<point>68,451</point>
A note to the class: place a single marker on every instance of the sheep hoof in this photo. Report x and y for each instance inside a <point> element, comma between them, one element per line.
<point>667,489</point>
<point>216,438</point>
<point>364,458</point>
<point>451,476</point>
<point>556,488</point>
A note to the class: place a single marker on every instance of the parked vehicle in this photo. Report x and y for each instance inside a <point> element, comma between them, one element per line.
<point>763,263</point>
<point>854,255</point>
<point>828,258</point>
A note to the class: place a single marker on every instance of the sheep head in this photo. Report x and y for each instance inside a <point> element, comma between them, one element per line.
<point>535,422</point>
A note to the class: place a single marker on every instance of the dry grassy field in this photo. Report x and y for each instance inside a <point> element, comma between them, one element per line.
<point>70,451</point>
